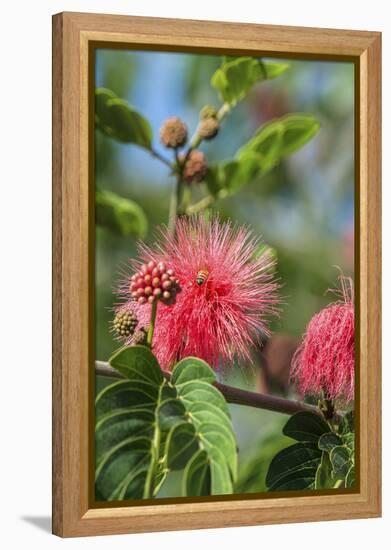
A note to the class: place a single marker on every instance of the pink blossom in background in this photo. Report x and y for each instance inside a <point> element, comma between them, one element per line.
<point>324,362</point>
<point>227,292</point>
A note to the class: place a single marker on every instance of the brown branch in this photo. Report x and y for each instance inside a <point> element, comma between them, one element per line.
<point>234,395</point>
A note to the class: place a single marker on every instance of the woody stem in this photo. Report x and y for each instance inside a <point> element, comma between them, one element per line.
<point>234,395</point>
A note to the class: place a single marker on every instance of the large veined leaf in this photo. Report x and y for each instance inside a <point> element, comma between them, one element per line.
<point>236,76</point>
<point>306,426</point>
<point>341,461</point>
<point>148,425</point>
<point>279,138</point>
<point>119,120</point>
<point>119,214</point>
<point>324,473</point>
<point>294,467</point>
<point>321,459</point>
<point>350,479</point>
<point>328,441</point>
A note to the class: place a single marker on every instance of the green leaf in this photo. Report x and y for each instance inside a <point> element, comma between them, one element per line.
<point>142,395</point>
<point>341,462</point>
<point>349,441</point>
<point>120,215</point>
<point>119,120</point>
<point>294,467</point>
<point>124,468</point>
<point>190,369</point>
<point>279,138</point>
<point>347,423</point>
<point>306,426</point>
<point>197,475</point>
<point>236,76</point>
<point>323,478</point>
<point>114,427</point>
<point>148,425</point>
<point>138,362</point>
<point>212,419</point>
<point>328,441</point>
<point>214,181</point>
<point>273,142</point>
<point>350,479</point>
<point>221,482</point>
<point>230,176</point>
<point>181,444</point>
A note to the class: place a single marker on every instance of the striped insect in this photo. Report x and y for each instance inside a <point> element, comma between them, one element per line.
<point>202,276</point>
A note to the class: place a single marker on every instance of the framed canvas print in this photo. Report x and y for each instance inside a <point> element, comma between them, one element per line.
<point>216,233</point>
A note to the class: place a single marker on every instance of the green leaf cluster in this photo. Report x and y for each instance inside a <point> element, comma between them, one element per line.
<point>271,143</point>
<point>237,76</point>
<point>148,425</point>
<point>320,458</point>
<point>119,214</point>
<point>119,120</point>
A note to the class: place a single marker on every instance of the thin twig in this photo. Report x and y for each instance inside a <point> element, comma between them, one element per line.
<point>175,203</point>
<point>200,205</point>
<point>205,202</point>
<point>195,141</point>
<point>160,157</point>
<point>234,395</point>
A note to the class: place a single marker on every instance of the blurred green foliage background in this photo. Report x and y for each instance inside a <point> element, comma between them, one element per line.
<point>303,208</point>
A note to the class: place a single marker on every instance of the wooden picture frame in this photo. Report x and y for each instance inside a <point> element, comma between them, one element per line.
<point>75,35</point>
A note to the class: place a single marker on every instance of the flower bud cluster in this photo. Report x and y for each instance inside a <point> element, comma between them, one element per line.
<point>125,323</point>
<point>154,281</point>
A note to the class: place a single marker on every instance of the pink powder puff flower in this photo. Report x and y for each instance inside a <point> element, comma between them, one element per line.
<point>324,362</point>
<point>226,292</point>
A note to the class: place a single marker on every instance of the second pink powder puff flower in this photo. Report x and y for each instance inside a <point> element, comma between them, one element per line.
<point>324,362</point>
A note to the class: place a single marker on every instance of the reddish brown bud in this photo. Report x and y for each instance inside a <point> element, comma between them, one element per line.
<point>196,166</point>
<point>208,128</point>
<point>173,133</point>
